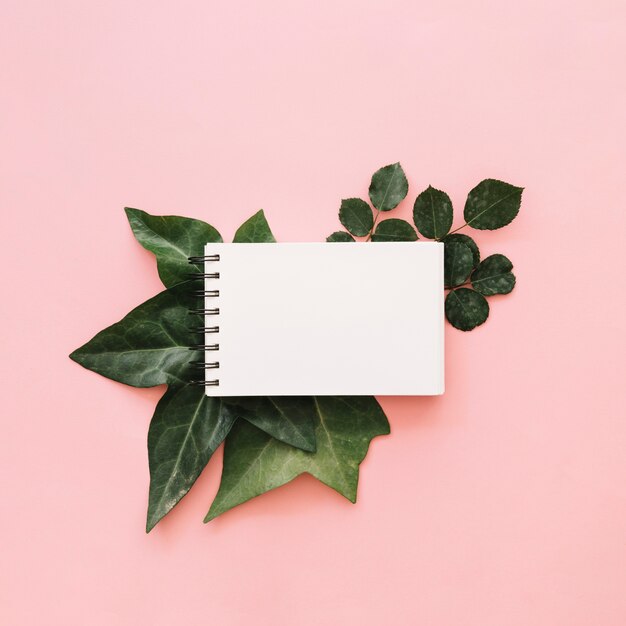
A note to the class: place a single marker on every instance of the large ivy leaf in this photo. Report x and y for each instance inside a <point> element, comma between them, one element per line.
<point>457,263</point>
<point>185,431</point>
<point>289,418</point>
<point>493,276</point>
<point>356,215</point>
<point>394,230</point>
<point>148,347</point>
<point>389,187</point>
<point>338,236</point>
<point>254,230</point>
<point>255,463</point>
<point>172,239</point>
<point>432,213</point>
<point>466,309</point>
<point>492,204</point>
<point>468,241</point>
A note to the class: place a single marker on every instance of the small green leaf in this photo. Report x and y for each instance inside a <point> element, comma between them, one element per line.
<point>466,309</point>
<point>493,276</point>
<point>356,215</point>
<point>172,240</point>
<point>185,431</point>
<point>339,235</point>
<point>394,230</point>
<point>432,213</point>
<point>468,241</point>
<point>255,463</point>
<point>148,347</point>
<point>457,263</point>
<point>254,230</point>
<point>492,204</point>
<point>290,419</point>
<point>389,187</point>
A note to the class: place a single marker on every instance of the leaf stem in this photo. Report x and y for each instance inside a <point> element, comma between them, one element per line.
<point>456,229</point>
<point>369,236</point>
<point>469,282</point>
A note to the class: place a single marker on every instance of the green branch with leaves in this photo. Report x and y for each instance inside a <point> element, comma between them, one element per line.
<point>269,441</point>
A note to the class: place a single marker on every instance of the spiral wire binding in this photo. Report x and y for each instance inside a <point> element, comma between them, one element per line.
<point>205,330</point>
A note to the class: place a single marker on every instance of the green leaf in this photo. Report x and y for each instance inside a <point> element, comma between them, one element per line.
<point>466,309</point>
<point>389,187</point>
<point>356,215</point>
<point>255,463</point>
<point>148,347</point>
<point>254,230</point>
<point>492,204</point>
<point>394,230</point>
<point>432,213</point>
<point>290,418</point>
<point>340,236</point>
<point>468,241</point>
<point>185,431</point>
<point>172,239</point>
<point>493,276</point>
<point>457,263</point>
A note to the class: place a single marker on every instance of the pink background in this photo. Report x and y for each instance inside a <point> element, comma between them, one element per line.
<point>502,502</point>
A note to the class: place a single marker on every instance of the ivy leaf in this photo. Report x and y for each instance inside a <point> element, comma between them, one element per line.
<point>185,431</point>
<point>290,419</point>
<point>394,230</point>
<point>432,213</point>
<point>466,309</point>
<point>356,215</point>
<point>493,276</point>
<point>389,187</point>
<point>457,263</point>
<point>492,204</point>
<point>148,347</point>
<point>172,240</point>
<point>255,463</point>
<point>339,235</point>
<point>468,241</point>
<point>254,230</point>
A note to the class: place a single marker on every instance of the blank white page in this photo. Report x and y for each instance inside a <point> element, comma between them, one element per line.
<point>326,319</point>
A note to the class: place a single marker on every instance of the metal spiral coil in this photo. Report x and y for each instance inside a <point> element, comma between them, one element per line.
<point>205,330</point>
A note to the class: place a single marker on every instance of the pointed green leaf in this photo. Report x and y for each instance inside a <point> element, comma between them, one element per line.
<point>255,463</point>
<point>254,230</point>
<point>468,241</point>
<point>185,431</point>
<point>466,309</point>
<point>172,239</point>
<point>492,204</point>
<point>339,236</point>
<point>493,276</point>
<point>389,187</point>
<point>290,418</point>
<point>457,263</point>
<point>432,213</point>
<point>148,347</point>
<point>394,230</point>
<point>356,215</point>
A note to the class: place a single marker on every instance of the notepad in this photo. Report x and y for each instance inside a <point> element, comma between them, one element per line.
<point>296,319</point>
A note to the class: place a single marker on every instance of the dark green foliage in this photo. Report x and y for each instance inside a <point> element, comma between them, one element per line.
<point>468,241</point>
<point>389,187</point>
<point>356,215</point>
<point>493,276</point>
<point>466,309</point>
<point>432,213</point>
<point>492,204</point>
<point>394,230</point>
<point>457,264</point>
<point>339,235</point>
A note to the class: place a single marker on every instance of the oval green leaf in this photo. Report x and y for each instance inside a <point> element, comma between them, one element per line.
<point>394,230</point>
<point>389,187</point>
<point>339,236</point>
<point>432,213</point>
<point>493,276</point>
<point>172,240</point>
<point>255,230</point>
<point>492,204</point>
<point>186,429</point>
<point>457,263</point>
<point>468,241</point>
<point>466,309</point>
<point>356,215</point>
